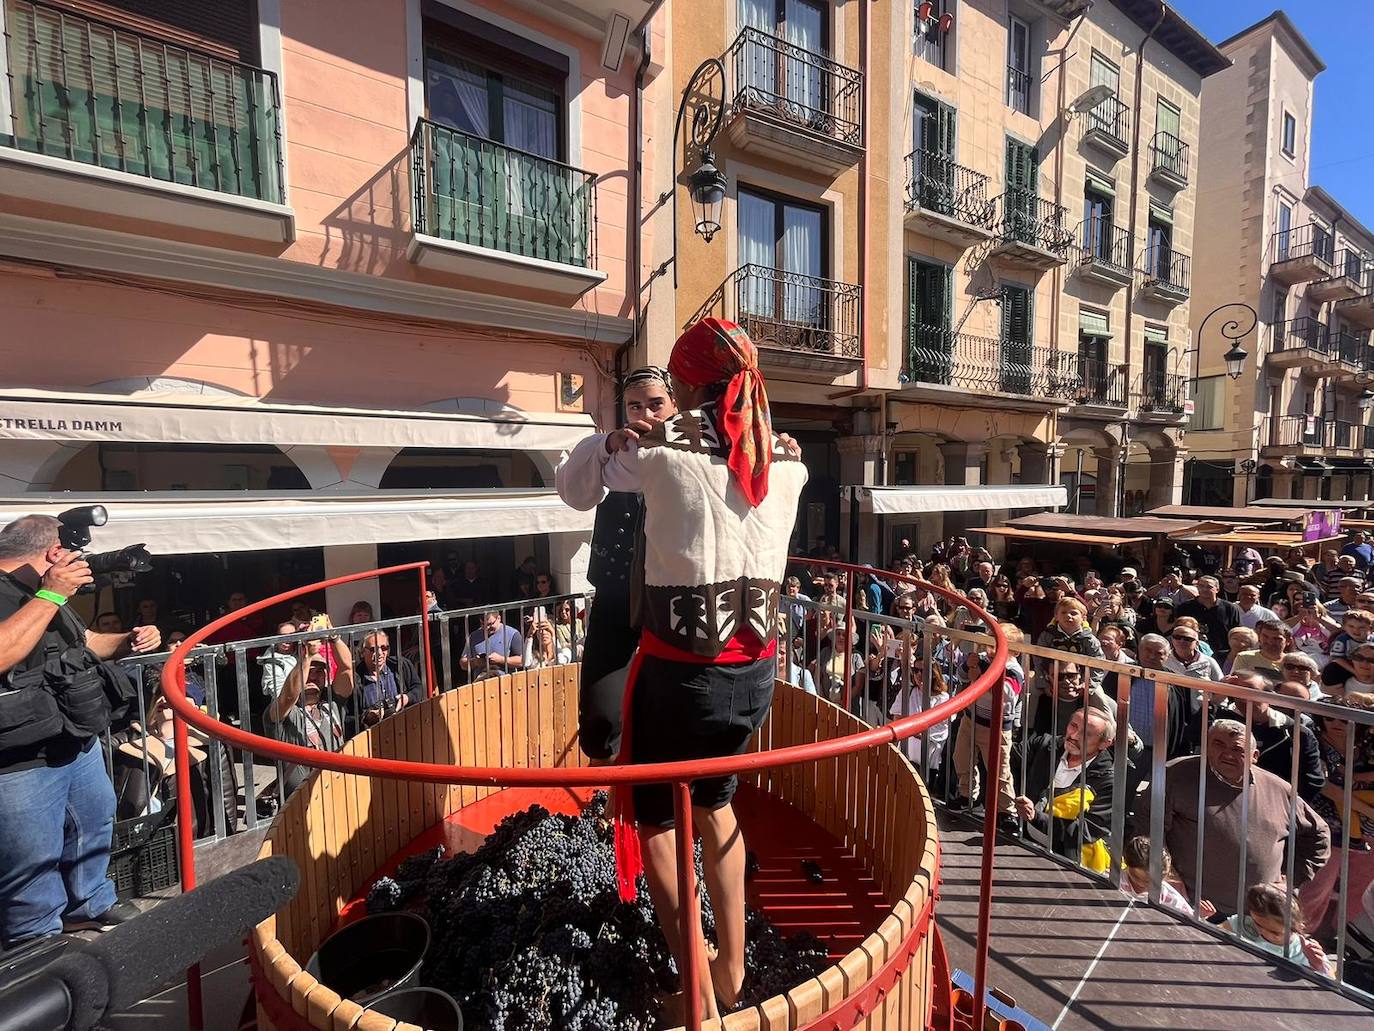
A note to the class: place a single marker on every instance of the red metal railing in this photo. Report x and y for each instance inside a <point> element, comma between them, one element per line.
<point>679,774</point>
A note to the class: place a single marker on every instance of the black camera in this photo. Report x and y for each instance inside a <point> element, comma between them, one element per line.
<point>74,533</point>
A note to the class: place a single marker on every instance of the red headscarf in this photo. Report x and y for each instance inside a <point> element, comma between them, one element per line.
<point>715,351</point>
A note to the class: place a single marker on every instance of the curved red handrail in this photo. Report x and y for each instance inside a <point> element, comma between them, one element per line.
<point>174,686</point>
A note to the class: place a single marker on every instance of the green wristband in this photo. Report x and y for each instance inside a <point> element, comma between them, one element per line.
<point>51,596</point>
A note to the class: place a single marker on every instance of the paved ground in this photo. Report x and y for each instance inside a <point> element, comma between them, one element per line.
<point>1076,955</point>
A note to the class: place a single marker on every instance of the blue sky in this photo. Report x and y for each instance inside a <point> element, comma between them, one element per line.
<point>1343,131</point>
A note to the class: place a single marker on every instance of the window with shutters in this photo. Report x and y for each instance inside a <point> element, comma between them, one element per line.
<point>1098,235</point>
<point>153,90</point>
<point>930,340</point>
<point>1016,343</point>
<point>1021,199</point>
<point>934,171</point>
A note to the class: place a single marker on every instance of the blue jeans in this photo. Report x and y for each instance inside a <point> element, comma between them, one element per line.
<point>56,825</point>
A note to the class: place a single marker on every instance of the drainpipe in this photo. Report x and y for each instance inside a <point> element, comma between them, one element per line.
<point>1135,190</point>
<point>865,41</point>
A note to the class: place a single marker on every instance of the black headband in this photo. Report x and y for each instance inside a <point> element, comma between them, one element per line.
<point>649,374</point>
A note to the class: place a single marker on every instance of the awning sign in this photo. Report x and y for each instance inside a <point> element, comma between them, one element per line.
<point>1321,524</point>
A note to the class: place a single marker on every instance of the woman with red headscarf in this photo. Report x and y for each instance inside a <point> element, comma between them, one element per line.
<point>720,500</point>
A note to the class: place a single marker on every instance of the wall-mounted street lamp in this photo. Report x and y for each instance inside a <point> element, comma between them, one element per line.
<point>1365,400</point>
<point>1235,360</point>
<point>705,183</point>
<point>1236,327</point>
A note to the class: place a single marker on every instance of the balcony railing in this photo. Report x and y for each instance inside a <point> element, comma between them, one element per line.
<point>794,312</point>
<point>1352,350</point>
<point>1109,118</point>
<point>1161,393</point>
<point>1102,383</point>
<point>470,190</point>
<point>796,86</point>
<point>1342,435</point>
<point>940,356</point>
<point>1018,90</point>
<point>1169,156</point>
<point>1023,216</point>
<point>1367,438</point>
<point>1294,431</point>
<point>935,182</point>
<point>105,96</point>
<point>1306,241</point>
<point>1302,334</point>
<point>1166,269</point>
<point>1104,244</point>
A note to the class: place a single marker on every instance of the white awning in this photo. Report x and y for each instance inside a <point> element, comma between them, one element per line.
<point>907,500</point>
<point>194,523</point>
<point>204,419</point>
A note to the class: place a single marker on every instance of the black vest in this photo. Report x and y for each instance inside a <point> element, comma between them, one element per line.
<point>619,523</point>
<point>58,687</point>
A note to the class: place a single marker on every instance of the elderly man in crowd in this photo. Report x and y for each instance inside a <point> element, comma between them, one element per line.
<point>1246,811</point>
<point>1347,597</point>
<point>1252,613</point>
<point>1185,658</point>
<point>1301,669</point>
<point>1276,734</point>
<point>385,683</point>
<point>1056,813</point>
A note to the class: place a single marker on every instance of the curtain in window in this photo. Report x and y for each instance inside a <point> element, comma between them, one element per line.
<point>806,83</point>
<point>458,95</point>
<point>801,253</point>
<point>759,68</point>
<point>535,189</point>
<point>757,246</point>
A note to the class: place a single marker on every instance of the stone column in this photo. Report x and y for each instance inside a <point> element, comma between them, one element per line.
<point>1284,481</point>
<point>1311,487</point>
<point>859,460</point>
<point>963,468</point>
<point>1000,456</point>
<point>569,556</point>
<point>1107,490</point>
<point>1166,477</point>
<point>342,559</point>
<point>1039,461</point>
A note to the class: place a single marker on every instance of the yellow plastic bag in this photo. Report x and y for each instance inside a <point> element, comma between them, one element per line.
<point>1069,805</point>
<point>1095,856</point>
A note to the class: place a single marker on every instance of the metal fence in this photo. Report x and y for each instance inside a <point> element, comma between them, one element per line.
<point>1023,216</point>
<point>1294,431</point>
<point>1102,383</point>
<point>797,86</point>
<point>796,312</point>
<point>1018,89</point>
<point>936,182</point>
<point>103,95</point>
<point>1302,333</point>
<point>1103,244</point>
<point>475,191</point>
<point>885,667</point>
<point>1306,241</point>
<point>1161,393</point>
<point>1109,118</point>
<point>1167,269</point>
<point>243,677</point>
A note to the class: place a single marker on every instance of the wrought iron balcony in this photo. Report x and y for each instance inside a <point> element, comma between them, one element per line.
<point>1304,433</point>
<point>472,191</point>
<point>1018,90</point>
<point>1169,160</point>
<point>1030,230</point>
<point>806,316</point>
<point>1104,252</point>
<point>794,104</point>
<point>1161,394</point>
<point>105,96</point>
<point>945,199</point>
<point>1367,438</point>
<point>1103,384</point>
<point>1301,341</point>
<point>1106,126</point>
<point>1345,281</point>
<point>1342,435</point>
<point>1302,253</point>
<point>1167,273</point>
<point>942,357</point>
<point>1360,308</point>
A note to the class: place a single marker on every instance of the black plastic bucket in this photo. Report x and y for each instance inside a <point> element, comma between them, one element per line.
<point>428,1008</point>
<point>373,958</point>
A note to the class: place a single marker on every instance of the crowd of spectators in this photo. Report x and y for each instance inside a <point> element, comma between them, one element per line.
<point>1260,629</point>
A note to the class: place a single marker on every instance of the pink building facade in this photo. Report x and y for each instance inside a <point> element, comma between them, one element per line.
<point>370,265</point>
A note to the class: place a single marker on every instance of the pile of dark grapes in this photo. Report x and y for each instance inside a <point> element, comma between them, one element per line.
<point>529,932</point>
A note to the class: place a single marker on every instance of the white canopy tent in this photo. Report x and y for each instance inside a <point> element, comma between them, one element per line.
<point>914,500</point>
<point>194,522</point>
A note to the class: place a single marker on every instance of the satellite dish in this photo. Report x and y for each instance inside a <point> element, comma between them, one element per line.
<point>1091,97</point>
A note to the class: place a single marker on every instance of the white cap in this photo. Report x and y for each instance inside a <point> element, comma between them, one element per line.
<point>1129,573</point>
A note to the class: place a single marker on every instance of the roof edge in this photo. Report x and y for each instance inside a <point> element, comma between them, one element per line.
<point>1284,24</point>
<point>1343,212</point>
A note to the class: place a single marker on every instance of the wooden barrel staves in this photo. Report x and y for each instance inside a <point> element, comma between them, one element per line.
<point>340,829</point>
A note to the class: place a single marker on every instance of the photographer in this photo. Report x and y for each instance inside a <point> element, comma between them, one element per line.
<point>386,683</point>
<point>304,711</point>
<point>56,801</point>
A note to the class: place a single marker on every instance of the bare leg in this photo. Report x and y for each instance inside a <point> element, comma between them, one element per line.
<point>723,860</point>
<point>659,846</point>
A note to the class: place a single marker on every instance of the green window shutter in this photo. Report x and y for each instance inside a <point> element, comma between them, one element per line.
<point>1092,323</point>
<point>946,127</point>
<point>1156,335</point>
<point>948,290</point>
<point>913,297</point>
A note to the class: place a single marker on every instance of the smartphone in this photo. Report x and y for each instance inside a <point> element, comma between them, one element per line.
<point>320,621</point>
<point>540,614</point>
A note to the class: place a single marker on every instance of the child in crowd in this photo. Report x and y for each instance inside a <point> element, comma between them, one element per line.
<point>1267,906</point>
<point>1310,636</point>
<point>1135,878</point>
<point>1355,627</point>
